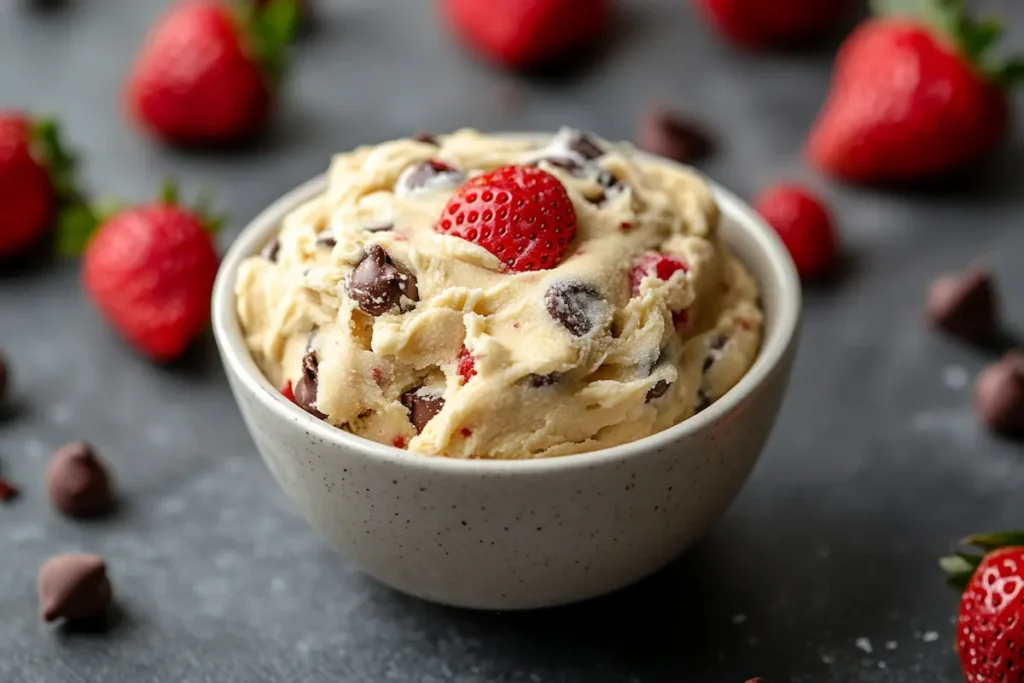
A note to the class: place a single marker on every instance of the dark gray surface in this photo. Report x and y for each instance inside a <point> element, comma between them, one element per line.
<point>875,467</point>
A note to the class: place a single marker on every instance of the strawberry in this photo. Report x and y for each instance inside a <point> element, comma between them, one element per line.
<point>467,364</point>
<point>526,33</point>
<point>206,73</point>
<point>804,225</point>
<point>37,181</point>
<point>149,270</point>
<point>661,266</point>
<point>772,23</point>
<point>990,629</point>
<point>914,95</point>
<point>521,214</point>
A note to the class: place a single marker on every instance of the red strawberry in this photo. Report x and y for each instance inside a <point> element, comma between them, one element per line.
<point>150,270</point>
<point>990,632</point>
<point>288,392</point>
<point>773,23</point>
<point>913,97</point>
<point>36,180</point>
<point>467,364</point>
<point>526,33</point>
<point>661,266</point>
<point>205,73</point>
<point>521,214</point>
<point>804,224</point>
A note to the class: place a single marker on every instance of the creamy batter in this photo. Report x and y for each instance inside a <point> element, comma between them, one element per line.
<point>396,333</point>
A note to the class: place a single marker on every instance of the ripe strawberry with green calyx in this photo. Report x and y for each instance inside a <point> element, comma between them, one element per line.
<point>990,631</point>
<point>208,70</point>
<point>37,180</point>
<point>916,93</point>
<point>149,270</point>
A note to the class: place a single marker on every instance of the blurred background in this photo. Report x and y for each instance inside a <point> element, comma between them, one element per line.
<point>823,571</point>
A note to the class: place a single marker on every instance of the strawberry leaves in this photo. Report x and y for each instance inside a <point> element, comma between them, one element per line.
<point>270,28</point>
<point>973,38</point>
<point>961,565</point>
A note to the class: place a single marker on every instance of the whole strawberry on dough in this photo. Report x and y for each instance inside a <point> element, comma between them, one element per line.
<point>36,180</point>
<point>773,23</point>
<point>526,33</point>
<point>207,70</point>
<point>915,94</point>
<point>149,270</point>
<point>990,627</point>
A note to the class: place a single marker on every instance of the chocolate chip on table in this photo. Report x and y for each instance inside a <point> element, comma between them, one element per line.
<point>964,305</point>
<point>658,390</point>
<point>305,388</point>
<point>999,395</point>
<point>584,145</point>
<point>540,381</point>
<point>665,133</point>
<point>379,283</point>
<point>423,406</point>
<point>74,587</point>
<point>271,250</point>
<point>428,175</point>
<point>8,491</point>
<point>77,482</point>
<point>574,305</point>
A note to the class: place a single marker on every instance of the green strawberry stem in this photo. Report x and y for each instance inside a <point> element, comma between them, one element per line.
<point>270,28</point>
<point>77,224</point>
<point>961,565</point>
<point>973,38</point>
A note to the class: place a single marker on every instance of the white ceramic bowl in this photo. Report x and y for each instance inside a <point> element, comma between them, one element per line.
<point>529,533</point>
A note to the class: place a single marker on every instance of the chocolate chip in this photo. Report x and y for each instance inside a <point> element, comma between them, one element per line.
<point>379,283</point>
<point>428,175</point>
<point>4,374</point>
<point>663,132</point>
<point>74,587</point>
<point>999,395</point>
<point>423,406</point>
<point>327,240</point>
<point>271,250</point>
<point>8,491</point>
<point>574,305</point>
<point>426,138</point>
<point>305,388</point>
<point>701,403</point>
<point>566,164</point>
<point>709,360</point>
<point>539,381</point>
<point>658,390</point>
<point>584,145</point>
<point>717,342</point>
<point>964,305</point>
<point>77,482</point>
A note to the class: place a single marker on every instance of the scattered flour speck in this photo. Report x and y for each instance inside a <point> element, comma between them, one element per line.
<point>828,659</point>
<point>891,645</point>
<point>739,619</point>
<point>864,644</point>
<point>930,636</point>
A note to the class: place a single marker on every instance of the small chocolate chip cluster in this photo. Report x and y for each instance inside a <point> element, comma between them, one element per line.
<point>965,305</point>
<point>578,153</point>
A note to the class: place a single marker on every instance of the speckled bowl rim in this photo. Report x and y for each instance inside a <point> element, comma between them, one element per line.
<point>780,336</point>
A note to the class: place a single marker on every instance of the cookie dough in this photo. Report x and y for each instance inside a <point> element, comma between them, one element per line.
<point>424,341</point>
